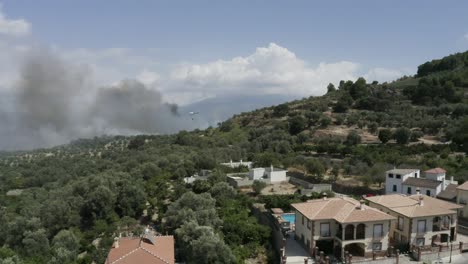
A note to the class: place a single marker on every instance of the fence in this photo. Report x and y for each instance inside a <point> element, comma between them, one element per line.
<point>390,256</point>
<point>430,253</point>
<point>355,190</point>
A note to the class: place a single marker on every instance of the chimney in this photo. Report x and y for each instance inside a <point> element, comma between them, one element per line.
<point>421,200</point>
<point>324,195</point>
<point>418,192</point>
<point>116,242</point>
<point>361,204</point>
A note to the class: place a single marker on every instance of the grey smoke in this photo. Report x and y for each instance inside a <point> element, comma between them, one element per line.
<point>55,102</point>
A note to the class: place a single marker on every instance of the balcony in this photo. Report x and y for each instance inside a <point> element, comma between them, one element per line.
<point>440,227</point>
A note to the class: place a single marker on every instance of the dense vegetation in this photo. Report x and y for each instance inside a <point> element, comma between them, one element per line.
<point>58,203</point>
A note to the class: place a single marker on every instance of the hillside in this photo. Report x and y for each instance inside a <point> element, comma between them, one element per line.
<point>74,199</point>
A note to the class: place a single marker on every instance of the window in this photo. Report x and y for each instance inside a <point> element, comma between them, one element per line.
<point>428,192</point>
<point>398,176</point>
<point>415,174</point>
<point>400,223</point>
<point>325,229</point>
<point>308,223</point>
<point>420,241</point>
<point>394,188</point>
<point>421,226</point>
<point>390,175</point>
<point>378,231</point>
<point>377,246</point>
<point>408,191</point>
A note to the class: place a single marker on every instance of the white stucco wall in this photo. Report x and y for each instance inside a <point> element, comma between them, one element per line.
<point>462,198</point>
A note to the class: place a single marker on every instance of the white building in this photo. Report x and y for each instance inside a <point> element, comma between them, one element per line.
<point>233,165</point>
<point>462,199</point>
<point>409,181</point>
<point>269,175</point>
<point>394,179</point>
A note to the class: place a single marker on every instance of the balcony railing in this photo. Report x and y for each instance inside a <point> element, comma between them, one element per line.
<point>436,228</point>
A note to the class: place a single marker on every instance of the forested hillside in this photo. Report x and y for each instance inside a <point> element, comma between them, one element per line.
<point>67,203</point>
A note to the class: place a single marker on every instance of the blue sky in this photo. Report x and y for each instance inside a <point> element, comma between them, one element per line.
<point>375,33</point>
<point>159,36</point>
<point>68,68</point>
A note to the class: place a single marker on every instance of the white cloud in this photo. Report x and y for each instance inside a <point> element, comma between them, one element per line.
<point>269,70</point>
<point>13,27</point>
<point>148,78</point>
<point>383,74</point>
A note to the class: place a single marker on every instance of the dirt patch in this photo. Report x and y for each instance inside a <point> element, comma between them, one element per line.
<point>343,131</point>
<point>279,188</point>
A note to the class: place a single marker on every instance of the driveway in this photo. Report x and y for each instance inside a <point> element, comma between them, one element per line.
<point>294,252</point>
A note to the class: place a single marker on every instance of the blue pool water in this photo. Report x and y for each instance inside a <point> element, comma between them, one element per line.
<point>291,218</point>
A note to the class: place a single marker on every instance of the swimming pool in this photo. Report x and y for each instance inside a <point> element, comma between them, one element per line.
<point>291,218</point>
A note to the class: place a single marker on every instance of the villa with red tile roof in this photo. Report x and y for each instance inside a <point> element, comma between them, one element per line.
<point>147,249</point>
<point>421,219</point>
<point>336,225</point>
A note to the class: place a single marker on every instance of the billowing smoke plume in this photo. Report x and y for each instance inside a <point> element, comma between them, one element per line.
<point>55,102</point>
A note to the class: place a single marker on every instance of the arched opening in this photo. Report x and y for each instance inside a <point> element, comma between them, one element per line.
<point>349,232</point>
<point>361,231</point>
<point>356,249</point>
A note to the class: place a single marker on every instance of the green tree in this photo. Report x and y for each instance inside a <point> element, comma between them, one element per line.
<point>402,135</point>
<point>296,125</point>
<point>343,103</point>
<point>258,186</point>
<point>353,138</point>
<point>35,243</point>
<point>315,167</point>
<point>280,110</point>
<point>199,208</point>
<point>460,135</point>
<point>385,135</point>
<point>331,88</point>
<point>65,247</point>
<point>200,245</point>
<point>222,192</point>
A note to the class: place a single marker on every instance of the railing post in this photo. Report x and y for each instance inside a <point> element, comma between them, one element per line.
<point>419,253</point>
<point>316,252</point>
<point>327,259</point>
<point>346,257</point>
<point>374,255</point>
<point>461,247</point>
<point>397,256</point>
<point>322,256</point>
<point>305,261</point>
<point>350,259</point>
